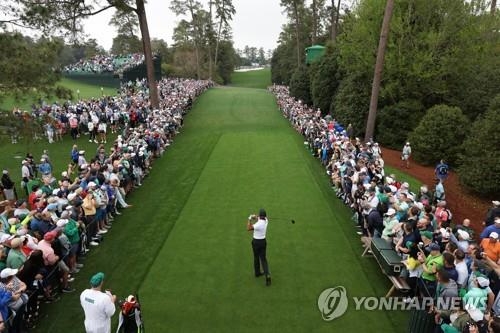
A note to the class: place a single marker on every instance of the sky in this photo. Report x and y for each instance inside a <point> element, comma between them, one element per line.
<point>256,23</point>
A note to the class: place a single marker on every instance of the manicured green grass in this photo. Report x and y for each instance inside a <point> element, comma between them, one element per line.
<point>185,249</point>
<point>87,91</point>
<point>260,79</point>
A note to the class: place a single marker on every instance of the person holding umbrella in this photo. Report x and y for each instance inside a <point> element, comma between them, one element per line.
<point>259,244</point>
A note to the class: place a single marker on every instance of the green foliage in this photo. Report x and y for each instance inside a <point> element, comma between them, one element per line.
<point>439,135</point>
<point>282,64</point>
<point>480,160</point>
<point>300,85</point>
<point>125,44</point>
<point>167,69</point>
<point>396,121</point>
<point>350,104</point>
<point>27,66</point>
<point>325,80</point>
<point>227,59</point>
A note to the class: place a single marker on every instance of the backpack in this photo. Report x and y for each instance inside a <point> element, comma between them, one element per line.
<point>382,207</point>
<point>443,170</point>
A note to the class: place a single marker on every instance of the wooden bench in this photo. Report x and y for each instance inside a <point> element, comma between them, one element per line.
<point>398,283</point>
<point>389,262</point>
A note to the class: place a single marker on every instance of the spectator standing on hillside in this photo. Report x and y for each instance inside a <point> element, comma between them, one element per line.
<point>73,124</point>
<point>441,171</point>
<point>350,131</point>
<point>405,155</point>
<point>439,194</point>
<point>25,175</point>
<point>98,306</point>
<point>9,189</point>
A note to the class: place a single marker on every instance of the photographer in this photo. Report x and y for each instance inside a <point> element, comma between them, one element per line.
<point>430,265</point>
<point>491,247</point>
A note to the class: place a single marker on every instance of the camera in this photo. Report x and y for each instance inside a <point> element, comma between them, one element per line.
<point>479,254</point>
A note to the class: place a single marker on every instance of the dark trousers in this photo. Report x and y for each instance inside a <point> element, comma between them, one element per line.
<point>259,256</point>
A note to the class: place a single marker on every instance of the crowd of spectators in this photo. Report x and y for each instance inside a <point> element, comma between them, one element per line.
<point>64,215</point>
<point>101,63</point>
<point>444,258</point>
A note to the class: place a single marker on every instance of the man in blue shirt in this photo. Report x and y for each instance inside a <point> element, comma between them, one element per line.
<point>441,171</point>
<point>495,227</point>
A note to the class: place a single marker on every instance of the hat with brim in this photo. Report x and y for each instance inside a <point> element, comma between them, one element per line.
<point>16,242</point>
<point>96,279</point>
<point>494,235</point>
<point>483,282</point>
<point>496,202</point>
<point>6,272</point>
<point>463,234</point>
<point>390,212</point>
<point>426,234</point>
<point>434,247</point>
<point>474,313</point>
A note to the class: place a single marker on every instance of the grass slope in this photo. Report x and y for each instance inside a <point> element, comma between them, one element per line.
<point>259,79</point>
<point>87,91</point>
<point>184,247</point>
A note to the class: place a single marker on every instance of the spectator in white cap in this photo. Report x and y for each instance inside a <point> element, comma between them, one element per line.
<point>461,239</point>
<point>465,226</point>
<point>491,246</point>
<point>495,227</point>
<point>390,222</point>
<point>405,155</point>
<point>10,282</point>
<point>480,295</point>
<point>26,175</point>
<point>493,213</point>
<point>81,158</point>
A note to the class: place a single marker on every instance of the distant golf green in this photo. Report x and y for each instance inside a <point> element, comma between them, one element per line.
<point>80,90</point>
<point>184,247</point>
<point>259,79</point>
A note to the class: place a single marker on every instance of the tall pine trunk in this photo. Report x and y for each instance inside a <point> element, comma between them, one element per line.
<point>379,67</point>
<point>210,42</point>
<point>148,54</point>
<point>335,20</point>
<point>314,23</point>
<point>217,44</point>
<point>196,42</point>
<point>297,30</point>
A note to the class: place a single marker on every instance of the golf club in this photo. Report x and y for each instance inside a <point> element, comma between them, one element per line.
<point>282,218</point>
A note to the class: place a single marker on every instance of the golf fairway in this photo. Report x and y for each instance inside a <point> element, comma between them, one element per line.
<point>185,249</point>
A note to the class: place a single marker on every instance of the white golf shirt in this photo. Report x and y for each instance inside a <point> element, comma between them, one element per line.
<point>98,308</point>
<point>259,229</point>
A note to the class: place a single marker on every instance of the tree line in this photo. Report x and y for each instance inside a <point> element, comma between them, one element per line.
<point>439,78</point>
<point>202,48</point>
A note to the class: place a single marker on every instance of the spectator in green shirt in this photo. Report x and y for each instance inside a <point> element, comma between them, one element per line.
<point>431,264</point>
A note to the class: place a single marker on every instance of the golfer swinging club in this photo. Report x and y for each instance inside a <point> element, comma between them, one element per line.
<point>259,244</point>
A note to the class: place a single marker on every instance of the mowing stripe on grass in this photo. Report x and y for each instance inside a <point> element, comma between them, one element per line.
<point>203,280</point>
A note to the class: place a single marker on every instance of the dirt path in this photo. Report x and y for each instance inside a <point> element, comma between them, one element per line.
<point>462,204</point>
